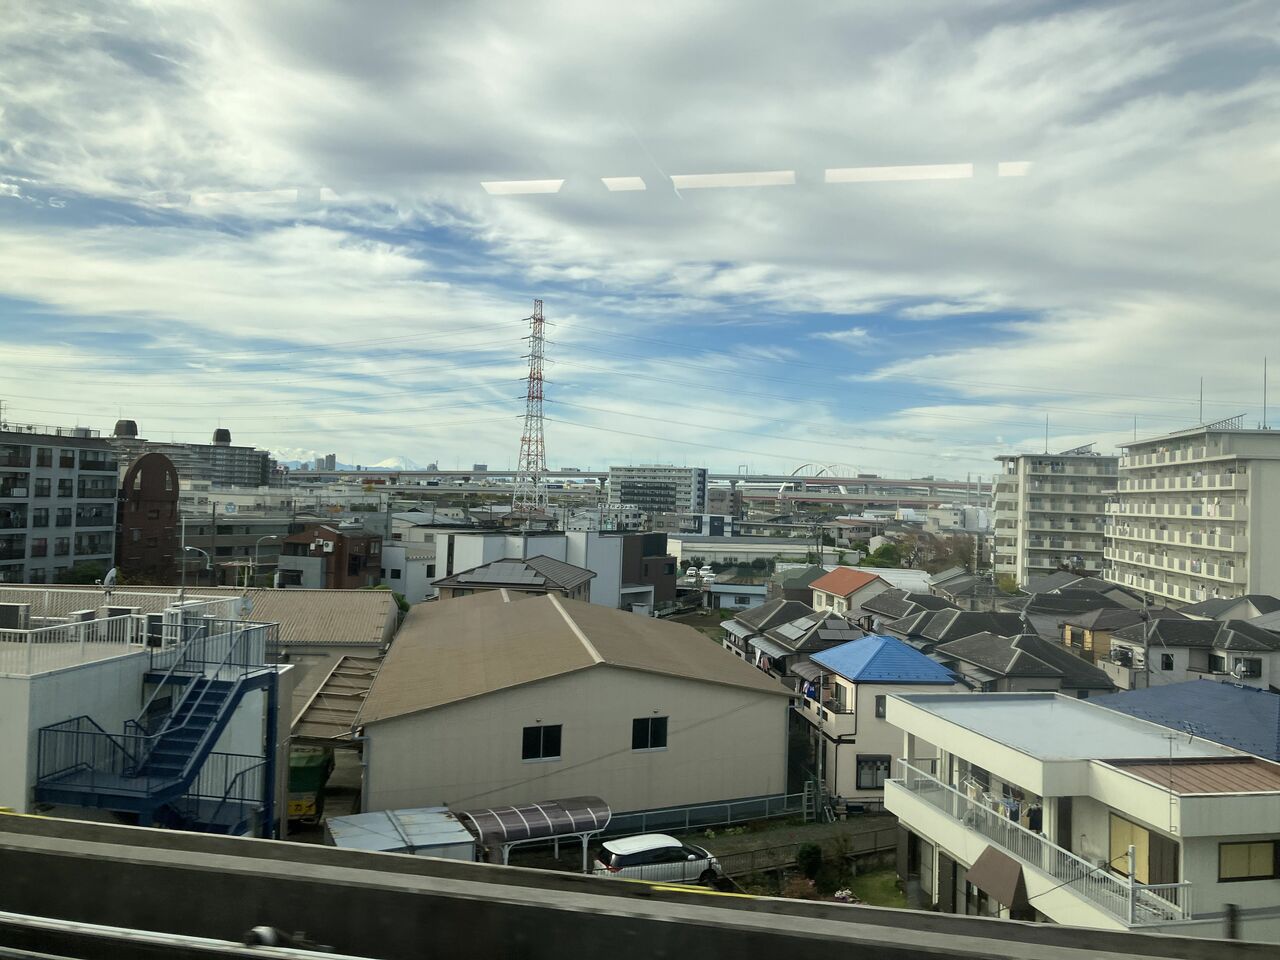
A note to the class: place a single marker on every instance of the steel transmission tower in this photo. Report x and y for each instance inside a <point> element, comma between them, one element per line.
<point>531,484</point>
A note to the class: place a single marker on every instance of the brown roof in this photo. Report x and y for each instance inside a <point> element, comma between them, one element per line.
<point>1207,774</point>
<point>496,640</point>
<point>350,617</point>
<point>843,581</point>
<point>330,713</point>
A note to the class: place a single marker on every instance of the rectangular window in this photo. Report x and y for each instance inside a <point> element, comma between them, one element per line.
<point>395,573</point>
<point>42,486</point>
<point>873,771</point>
<point>40,517</point>
<point>880,706</point>
<point>1123,834</point>
<point>742,601</point>
<point>1248,861</point>
<point>66,488</point>
<point>1217,664</point>
<point>44,457</point>
<point>649,733</point>
<point>1166,661</point>
<point>541,743</point>
<point>61,546</point>
<point>39,547</point>
<point>63,518</point>
<point>1247,667</point>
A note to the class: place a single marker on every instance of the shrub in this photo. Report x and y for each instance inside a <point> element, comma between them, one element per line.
<point>809,859</point>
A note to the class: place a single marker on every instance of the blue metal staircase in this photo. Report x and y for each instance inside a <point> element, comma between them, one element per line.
<point>162,766</point>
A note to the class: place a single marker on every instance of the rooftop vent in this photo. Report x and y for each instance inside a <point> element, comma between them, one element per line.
<point>125,428</point>
<point>222,437</point>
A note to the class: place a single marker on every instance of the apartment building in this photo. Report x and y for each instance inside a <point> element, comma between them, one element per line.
<point>1050,512</point>
<point>659,488</point>
<point>1039,806</point>
<point>331,557</point>
<point>58,489</point>
<point>218,462</point>
<point>1194,517</point>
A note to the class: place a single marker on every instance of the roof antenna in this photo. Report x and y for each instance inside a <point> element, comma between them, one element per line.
<point>1264,393</point>
<point>1046,433</point>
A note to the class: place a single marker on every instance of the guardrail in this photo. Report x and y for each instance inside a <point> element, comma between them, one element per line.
<point>27,652</point>
<point>1129,902</point>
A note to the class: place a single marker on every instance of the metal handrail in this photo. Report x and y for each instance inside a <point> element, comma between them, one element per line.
<point>1119,896</point>
<point>257,767</point>
<point>202,634</point>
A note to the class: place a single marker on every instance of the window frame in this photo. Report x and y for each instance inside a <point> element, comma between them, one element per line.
<point>1166,661</point>
<point>1275,861</point>
<point>881,705</point>
<point>645,743</point>
<point>875,763</point>
<point>542,755</point>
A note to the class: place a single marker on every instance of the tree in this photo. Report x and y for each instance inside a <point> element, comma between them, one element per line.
<point>82,573</point>
<point>697,561</point>
<point>1007,583</point>
<point>759,563</point>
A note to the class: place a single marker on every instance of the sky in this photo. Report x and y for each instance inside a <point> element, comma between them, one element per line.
<point>901,238</point>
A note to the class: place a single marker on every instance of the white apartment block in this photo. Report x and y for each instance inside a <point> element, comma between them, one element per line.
<point>1195,516</point>
<point>1036,806</point>
<point>659,488</point>
<point>1050,512</point>
<point>58,491</point>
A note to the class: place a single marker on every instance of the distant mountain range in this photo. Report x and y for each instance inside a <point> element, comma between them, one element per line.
<point>295,457</point>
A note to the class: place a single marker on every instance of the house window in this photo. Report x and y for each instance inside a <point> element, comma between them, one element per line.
<point>1259,860</point>
<point>395,573</point>
<point>1247,667</point>
<point>873,771</point>
<point>66,487</point>
<point>880,706</point>
<point>1217,664</point>
<point>42,486</point>
<point>40,517</point>
<point>44,457</point>
<point>649,733</point>
<point>541,742</point>
<point>61,546</point>
<point>1166,661</point>
<point>382,572</point>
<point>742,601</point>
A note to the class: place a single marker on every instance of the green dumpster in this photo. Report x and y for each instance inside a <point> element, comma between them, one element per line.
<point>309,770</point>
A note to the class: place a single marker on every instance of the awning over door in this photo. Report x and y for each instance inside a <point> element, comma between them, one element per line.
<point>1000,877</point>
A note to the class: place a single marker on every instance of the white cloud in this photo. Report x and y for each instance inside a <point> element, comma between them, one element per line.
<point>849,337</point>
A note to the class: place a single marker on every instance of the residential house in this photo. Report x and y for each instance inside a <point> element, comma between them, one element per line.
<point>330,557</point>
<point>992,663</point>
<point>927,629</point>
<point>784,646</point>
<point>969,591</point>
<point>1088,635</point>
<point>754,621</point>
<point>409,568</point>
<point>728,592</point>
<point>1045,613</point>
<point>1160,652</point>
<point>1244,718</point>
<point>1039,806</point>
<point>895,604</point>
<point>794,583</point>
<point>844,696</point>
<point>1248,607</point>
<point>505,698</point>
<point>844,590</point>
<point>536,575</point>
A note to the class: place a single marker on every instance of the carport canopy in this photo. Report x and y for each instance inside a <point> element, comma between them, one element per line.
<point>506,827</point>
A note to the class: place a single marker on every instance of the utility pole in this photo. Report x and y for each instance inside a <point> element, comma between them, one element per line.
<point>531,486</point>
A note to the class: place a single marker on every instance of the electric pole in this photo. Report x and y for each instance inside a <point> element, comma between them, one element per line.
<point>530,493</point>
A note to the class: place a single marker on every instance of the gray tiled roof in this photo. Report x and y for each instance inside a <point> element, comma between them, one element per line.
<point>773,612</point>
<point>1216,634</point>
<point>534,572</point>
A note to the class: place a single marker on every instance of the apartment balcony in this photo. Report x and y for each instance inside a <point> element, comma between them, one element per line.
<point>1065,526</point>
<point>1137,579</point>
<point>1224,572</point>
<point>20,460</point>
<point>96,491</point>
<point>1211,511</point>
<point>1074,489</point>
<point>95,517</point>
<point>1058,561</point>
<point>1061,543</point>
<point>1072,471</point>
<point>1066,888</point>
<point>1184,538</point>
<point>1219,481</point>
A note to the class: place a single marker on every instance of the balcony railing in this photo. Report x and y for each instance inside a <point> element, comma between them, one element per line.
<point>1219,511</point>
<point>1186,538</point>
<point>1133,903</point>
<point>1217,481</point>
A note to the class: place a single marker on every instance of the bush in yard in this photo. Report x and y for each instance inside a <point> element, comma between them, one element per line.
<point>809,859</point>
<point>798,888</point>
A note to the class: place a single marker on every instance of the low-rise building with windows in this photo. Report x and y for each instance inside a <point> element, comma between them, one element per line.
<point>844,590</point>
<point>1159,652</point>
<point>1039,806</point>
<point>503,698</point>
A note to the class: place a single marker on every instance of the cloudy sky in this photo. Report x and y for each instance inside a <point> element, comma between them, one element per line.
<point>310,222</point>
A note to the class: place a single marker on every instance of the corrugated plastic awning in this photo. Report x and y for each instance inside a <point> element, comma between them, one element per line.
<point>571,817</point>
<point>739,630</point>
<point>330,715</point>
<point>807,670</point>
<point>765,645</point>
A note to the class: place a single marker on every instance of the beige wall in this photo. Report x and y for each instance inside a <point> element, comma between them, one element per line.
<point>723,743</point>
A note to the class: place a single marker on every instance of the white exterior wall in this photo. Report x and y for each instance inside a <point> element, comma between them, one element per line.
<point>1195,516</point>
<point>109,691</point>
<point>603,556</point>
<point>723,743</point>
<point>741,549</point>
<point>413,583</point>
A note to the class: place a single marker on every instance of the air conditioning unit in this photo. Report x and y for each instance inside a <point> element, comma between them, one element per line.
<point>328,546</point>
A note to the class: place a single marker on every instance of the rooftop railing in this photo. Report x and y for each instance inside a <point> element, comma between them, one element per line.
<point>1133,903</point>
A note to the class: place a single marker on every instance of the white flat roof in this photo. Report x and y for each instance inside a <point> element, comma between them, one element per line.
<point>1049,726</point>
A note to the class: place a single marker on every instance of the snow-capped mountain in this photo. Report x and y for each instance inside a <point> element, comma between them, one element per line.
<point>395,463</point>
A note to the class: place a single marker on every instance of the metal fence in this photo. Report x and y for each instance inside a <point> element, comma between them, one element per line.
<point>28,652</point>
<point>681,819</point>
<point>1128,902</point>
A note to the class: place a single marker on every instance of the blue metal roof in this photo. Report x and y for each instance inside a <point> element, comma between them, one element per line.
<point>880,659</point>
<point>1241,717</point>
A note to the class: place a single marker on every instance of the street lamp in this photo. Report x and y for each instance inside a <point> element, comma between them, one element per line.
<point>253,571</point>
<point>208,562</point>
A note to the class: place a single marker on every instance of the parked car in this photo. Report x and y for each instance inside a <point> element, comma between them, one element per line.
<point>656,856</point>
<point>706,571</point>
<point>691,572</point>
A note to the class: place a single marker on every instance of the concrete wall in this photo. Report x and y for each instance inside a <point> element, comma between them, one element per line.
<point>602,555</point>
<point>723,743</point>
<point>413,583</point>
